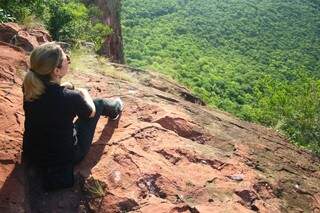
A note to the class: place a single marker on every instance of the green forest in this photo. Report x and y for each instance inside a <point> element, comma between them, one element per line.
<point>256,59</point>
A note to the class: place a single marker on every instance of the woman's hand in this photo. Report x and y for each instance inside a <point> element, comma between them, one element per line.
<point>68,85</point>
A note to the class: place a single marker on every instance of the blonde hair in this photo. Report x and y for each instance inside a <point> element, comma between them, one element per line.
<point>43,60</point>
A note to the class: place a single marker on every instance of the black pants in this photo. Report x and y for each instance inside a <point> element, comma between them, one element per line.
<point>85,128</point>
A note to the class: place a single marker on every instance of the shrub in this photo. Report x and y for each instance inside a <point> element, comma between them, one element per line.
<point>5,17</point>
<point>67,20</point>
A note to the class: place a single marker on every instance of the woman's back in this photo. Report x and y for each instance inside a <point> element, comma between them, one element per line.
<point>48,137</point>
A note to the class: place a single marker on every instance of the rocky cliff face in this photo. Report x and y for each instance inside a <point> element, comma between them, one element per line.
<point>112,46</point>
<point>167,153</point>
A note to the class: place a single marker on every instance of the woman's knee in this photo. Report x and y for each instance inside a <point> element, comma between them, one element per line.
<point>99,104</point>
<point>98,101</point>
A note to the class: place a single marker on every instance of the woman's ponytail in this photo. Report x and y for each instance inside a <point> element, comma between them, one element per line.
<point>33,87</point>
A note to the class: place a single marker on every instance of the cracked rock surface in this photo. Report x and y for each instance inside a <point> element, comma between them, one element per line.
<point>167,153</point>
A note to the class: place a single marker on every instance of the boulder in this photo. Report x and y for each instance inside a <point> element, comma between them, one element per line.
<point>22,37</point>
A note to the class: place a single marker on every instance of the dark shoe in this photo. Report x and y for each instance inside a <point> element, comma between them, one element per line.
<point>120,104</point>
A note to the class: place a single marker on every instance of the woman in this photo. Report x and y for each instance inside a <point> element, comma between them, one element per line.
<point>51,140</point>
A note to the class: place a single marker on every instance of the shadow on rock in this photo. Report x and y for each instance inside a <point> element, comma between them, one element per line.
<point>12,191</point>
<point>97,148</point>
<point>22,191</point>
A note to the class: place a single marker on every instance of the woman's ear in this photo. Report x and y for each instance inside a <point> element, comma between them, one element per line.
<point>56,72</point>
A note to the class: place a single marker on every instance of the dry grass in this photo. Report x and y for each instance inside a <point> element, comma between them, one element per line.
<point>95,188</point>
<point>86,61</point>
<point>31,22</point>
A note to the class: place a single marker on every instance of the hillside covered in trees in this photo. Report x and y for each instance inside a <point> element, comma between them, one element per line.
<point>256,59</point>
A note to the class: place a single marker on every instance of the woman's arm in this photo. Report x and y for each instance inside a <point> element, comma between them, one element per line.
<point>88,99</point>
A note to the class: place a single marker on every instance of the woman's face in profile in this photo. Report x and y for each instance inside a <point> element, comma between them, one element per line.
<point>63,70</point>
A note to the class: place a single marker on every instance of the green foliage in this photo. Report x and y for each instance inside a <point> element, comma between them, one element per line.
<point>295,109</point>
<point>100,31</point>
<point>256,59</point>
<point>22,9</point>
<point>75,22</point>
<point>67,20</point>
<point>5,17</point>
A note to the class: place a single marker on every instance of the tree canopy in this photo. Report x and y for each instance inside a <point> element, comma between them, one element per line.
<point>259,60</point>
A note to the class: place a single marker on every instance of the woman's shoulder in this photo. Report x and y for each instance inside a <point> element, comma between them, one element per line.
<point>70,92</point>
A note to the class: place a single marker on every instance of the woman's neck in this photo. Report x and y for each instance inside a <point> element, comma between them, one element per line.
<point>55,79</point>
